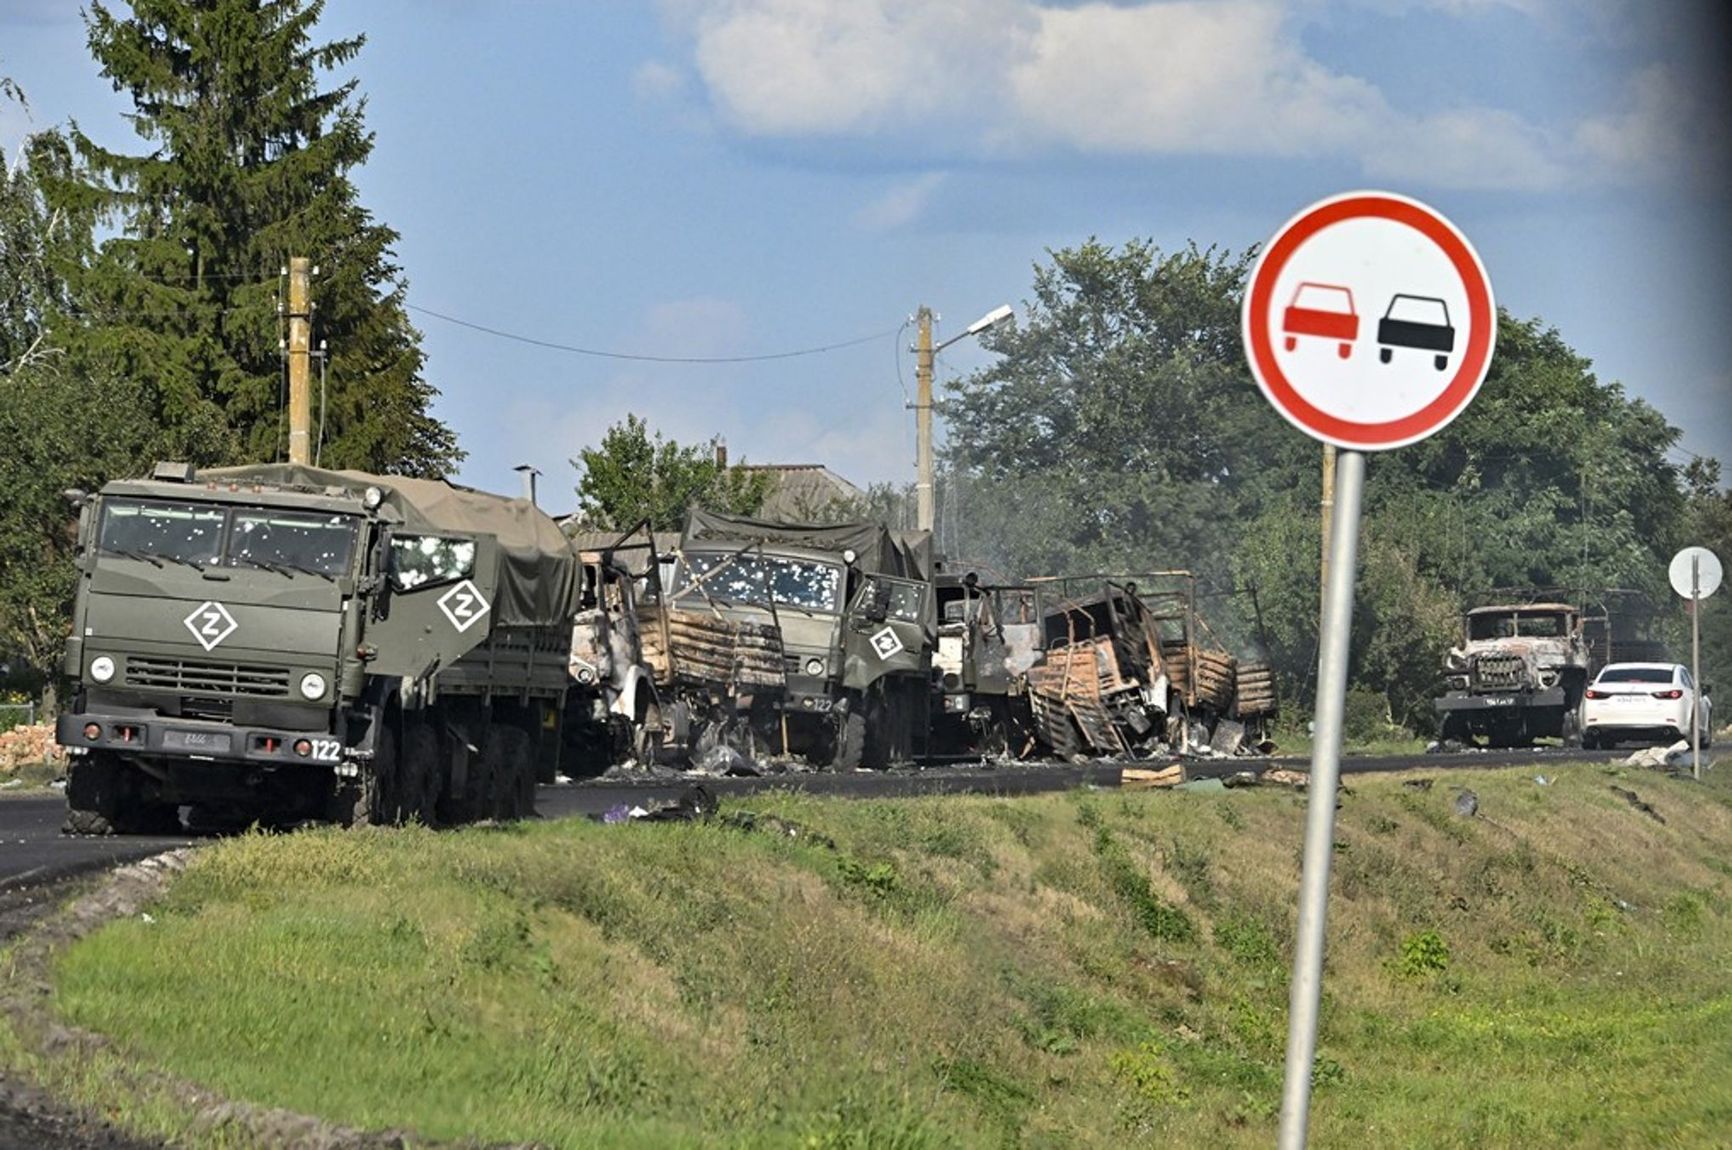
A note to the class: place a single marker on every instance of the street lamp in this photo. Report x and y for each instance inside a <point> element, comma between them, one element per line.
<point>923,353</point>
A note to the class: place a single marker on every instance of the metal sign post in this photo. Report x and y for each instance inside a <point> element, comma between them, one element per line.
<point>1361,381</point>
<point>1695,574</point>
<point>1307,988</point>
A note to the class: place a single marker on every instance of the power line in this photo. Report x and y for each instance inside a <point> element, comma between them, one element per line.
<point>598,354</point>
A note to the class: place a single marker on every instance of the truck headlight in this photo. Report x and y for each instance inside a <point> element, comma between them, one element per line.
<point>312,685</point>
<point>814,666</point>
<point>102,668</point>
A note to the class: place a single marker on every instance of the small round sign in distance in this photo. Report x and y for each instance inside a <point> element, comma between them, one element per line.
<point>1708,572</point>
<point>1369,321</point>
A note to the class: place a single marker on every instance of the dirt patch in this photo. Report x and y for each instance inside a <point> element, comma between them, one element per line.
<point>29,1117</point>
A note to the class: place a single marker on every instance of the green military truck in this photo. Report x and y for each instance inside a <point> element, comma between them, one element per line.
<point>283,643</point>
<point>850,607</point>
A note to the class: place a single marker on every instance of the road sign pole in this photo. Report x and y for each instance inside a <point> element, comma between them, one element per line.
<point>1307,989</point>
<point>1696,667</point>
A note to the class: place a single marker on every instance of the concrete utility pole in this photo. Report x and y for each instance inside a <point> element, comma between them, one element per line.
<point>923,420</point>
<point>300,346</point>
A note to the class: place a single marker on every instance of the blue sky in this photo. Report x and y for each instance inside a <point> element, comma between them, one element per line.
<point>716,178</point>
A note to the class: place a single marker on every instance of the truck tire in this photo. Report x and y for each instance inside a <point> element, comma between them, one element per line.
<point>370,798</point>
<point>848,751</point>
<point>423,771</point>
<point>102,800</point>
<point>516,779</point>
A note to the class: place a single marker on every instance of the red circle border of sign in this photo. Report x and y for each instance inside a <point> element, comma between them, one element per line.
<point>1474,361</point>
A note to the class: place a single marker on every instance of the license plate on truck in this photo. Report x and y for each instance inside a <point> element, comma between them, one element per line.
<point>200,742</point>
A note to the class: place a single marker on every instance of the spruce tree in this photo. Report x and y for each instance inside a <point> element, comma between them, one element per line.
<point>250,164</point>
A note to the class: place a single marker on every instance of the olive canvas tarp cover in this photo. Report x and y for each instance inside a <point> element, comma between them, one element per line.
<point>879,550</point>
<point>537,569</point>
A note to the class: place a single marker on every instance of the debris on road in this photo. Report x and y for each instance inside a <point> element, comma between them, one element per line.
<point>1639,803</point>
<point>1137,778</point>
<point>1658,756</point>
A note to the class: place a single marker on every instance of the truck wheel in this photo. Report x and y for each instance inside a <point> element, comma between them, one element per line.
<point>102,798</point>
<point>517,785</point>
<point>1572,730</point>
<point>849,749</point>
<point>370,798</point>
<point>423,771</point>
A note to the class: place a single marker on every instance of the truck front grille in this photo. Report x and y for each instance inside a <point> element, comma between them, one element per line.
<point>193,678</point>
<point>1499,672</point>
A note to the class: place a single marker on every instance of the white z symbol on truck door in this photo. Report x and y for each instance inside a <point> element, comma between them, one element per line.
<point>463,605</point>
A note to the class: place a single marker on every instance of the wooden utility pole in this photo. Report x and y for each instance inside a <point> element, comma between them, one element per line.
<point>1328,506</point>
<point>300,347</point>
<point>923,421</point>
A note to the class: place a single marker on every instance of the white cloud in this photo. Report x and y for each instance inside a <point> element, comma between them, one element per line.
<point>991,78</point>
<point>1650,135</point>
<point>798,67</point>
<point>900,205</point>
<point>700,327</point>
<point>1191,76</point>
<point>654,80</point>
<point>1467,148</point>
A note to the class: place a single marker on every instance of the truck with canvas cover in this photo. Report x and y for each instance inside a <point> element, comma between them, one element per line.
<point>849,610</point>
<point>279,642</point>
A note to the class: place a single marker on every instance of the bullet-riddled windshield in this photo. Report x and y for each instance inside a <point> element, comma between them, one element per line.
<point>299,541</point>
<point>762,578</point>
<point>204,535</point>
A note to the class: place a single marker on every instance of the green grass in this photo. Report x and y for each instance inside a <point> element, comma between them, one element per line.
<point>1093,969</point>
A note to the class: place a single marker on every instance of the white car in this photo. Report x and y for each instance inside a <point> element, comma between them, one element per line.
<point>1642,701</point>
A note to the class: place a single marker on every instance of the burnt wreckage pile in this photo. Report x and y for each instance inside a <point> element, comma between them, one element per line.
<point>281,643</point>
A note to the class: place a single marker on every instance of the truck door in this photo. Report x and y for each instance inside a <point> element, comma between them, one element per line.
<point>432,602</point>
<point>890,630</point>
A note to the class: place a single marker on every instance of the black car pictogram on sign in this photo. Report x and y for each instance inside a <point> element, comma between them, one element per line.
<point>1422,323</point>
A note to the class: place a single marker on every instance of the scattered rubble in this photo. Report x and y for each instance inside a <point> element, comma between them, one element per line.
<point>1639,803</point>
<point>1658,756</point>
<point>23,745</point>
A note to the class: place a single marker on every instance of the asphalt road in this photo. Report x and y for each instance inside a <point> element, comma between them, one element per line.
<point>33,851</point>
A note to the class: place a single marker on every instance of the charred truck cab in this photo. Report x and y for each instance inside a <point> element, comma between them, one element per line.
<point>988,638</point>
<point>279,643</point>
<point>1518,675</point>
<point>853,608</point>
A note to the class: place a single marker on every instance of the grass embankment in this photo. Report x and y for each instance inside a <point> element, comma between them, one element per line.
<point>1093,969</point>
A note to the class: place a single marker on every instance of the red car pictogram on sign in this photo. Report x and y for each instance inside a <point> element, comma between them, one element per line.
<point>1325,311</point>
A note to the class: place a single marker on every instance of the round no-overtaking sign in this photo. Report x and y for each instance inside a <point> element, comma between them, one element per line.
<point>1369,321</point>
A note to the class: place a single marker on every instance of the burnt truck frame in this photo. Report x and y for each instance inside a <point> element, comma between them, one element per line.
<point>281,643</point>
<point>1519,674</point>
<point>852,608</point>
<point>989,635</point>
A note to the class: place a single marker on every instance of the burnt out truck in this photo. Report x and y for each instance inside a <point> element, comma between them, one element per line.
<point>282,643</point>
<point>1518,675</point>
<point>1127,669</point>
<point>847,610</point>
<point>989,635</point>
<point>1521,667</point>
